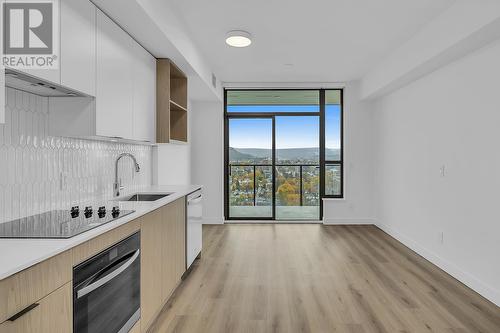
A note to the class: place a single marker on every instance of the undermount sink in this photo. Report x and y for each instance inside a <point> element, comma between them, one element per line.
<point>145,197</point>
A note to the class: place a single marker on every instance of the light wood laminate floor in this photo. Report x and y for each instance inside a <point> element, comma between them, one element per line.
<point>315,278</point>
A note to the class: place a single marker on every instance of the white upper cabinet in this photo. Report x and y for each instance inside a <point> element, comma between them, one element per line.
<point>144,114</point>
<point>76,48</point>
<point>114,85</point>
<point>100,59</point>
<point>78,45</point>
<point>52,75</point>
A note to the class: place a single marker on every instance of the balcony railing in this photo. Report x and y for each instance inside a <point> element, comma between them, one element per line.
<point>306,174</point>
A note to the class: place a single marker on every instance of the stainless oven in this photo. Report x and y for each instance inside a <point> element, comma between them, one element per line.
<point>106,289</point>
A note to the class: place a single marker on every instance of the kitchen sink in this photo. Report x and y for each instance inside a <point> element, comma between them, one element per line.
<point>145,197</point>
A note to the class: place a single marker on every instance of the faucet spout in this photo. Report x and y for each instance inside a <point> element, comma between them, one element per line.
<point>117,185</point>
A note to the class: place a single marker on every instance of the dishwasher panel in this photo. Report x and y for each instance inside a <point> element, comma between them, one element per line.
<point>194,226</point>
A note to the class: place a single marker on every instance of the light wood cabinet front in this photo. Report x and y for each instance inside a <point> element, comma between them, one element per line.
<point>174,255</point>
<point>163,257</point>
<point>27,287</point>
<point>53,314</point>
<point>151,270</point>
<point>48,284</point>
<point>95,245</point>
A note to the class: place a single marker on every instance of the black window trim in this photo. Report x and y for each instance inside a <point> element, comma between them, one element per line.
<point>322,145</point>
<point>334,162</point>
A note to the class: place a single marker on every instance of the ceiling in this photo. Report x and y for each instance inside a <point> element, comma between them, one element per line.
<point>303,41</point>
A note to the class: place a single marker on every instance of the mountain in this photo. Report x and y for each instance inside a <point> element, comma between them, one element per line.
<point>255,152</point>
<point>290,154</point>
<point>332,154</point>
<point>237,155</point>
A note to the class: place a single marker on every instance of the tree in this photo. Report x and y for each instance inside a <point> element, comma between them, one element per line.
<point>287,193</point>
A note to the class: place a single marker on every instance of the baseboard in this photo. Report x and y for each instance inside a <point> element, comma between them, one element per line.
<point>272,222</point>
<point>466,278</point>
<point>213,220</point>
<point>340,221</point>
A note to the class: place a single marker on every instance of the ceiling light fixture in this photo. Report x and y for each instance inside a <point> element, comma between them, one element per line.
<point>238,38</point>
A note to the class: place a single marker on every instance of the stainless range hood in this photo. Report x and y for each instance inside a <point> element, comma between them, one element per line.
<point>25,82</point>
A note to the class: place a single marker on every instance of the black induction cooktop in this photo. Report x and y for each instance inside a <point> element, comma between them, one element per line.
<point>59,223</point>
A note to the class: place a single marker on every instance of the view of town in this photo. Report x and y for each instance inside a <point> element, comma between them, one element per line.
<point>297,176</point>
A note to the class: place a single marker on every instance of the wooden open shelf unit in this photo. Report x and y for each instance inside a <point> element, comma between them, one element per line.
<point>171,102</point>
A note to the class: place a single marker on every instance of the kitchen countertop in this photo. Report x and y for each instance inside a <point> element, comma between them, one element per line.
<point>19,254</point>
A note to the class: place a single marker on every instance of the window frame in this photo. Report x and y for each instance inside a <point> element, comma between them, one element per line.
<point>323,161</point>
<point>322,144</point>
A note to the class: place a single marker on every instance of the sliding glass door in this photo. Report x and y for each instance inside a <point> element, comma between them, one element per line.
<point>297,167</point>
<point>250,167</point>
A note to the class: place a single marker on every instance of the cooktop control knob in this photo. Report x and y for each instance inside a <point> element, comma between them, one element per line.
<point>88,211</point>
<point>75,211</point>
<point>101,212</point>
<point>116,211</point>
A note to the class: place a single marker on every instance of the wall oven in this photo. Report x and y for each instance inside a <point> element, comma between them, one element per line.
<point>106,289</point>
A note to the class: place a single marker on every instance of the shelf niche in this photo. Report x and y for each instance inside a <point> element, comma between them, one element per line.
<point>171,102</point>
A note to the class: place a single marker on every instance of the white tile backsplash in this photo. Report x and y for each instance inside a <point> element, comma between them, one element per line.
<point>39,173</point>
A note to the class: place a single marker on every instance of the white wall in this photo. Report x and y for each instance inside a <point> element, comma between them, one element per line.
<point>172,164</point>
<point>450,117</point>
<point>461,29</point>
<point>207,157</point>
<point>357,206</point>
<point>172,161</point>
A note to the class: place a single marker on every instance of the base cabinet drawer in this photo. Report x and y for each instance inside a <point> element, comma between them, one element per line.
<point>26,287</point>
<point>51,314</point>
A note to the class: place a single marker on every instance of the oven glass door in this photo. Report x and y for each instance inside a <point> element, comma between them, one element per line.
<point>109,301</point>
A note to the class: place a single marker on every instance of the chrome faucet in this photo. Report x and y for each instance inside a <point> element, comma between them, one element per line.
<point>118,182</point>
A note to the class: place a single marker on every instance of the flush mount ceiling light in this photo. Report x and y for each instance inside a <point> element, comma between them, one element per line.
<point>238,38</point>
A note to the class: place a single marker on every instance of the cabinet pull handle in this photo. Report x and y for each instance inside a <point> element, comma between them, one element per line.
<point>23,312</point>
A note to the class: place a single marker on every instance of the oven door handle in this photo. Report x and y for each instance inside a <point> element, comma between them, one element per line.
<point>93,286</point>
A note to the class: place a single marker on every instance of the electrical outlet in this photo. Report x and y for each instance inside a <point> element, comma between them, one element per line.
<point>441,237</point>
<point>442,170</point>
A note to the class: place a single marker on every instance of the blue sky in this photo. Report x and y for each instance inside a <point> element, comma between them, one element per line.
<point>291,132</point>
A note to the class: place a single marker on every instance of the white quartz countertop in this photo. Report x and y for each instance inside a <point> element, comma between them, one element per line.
<point>19,254</point>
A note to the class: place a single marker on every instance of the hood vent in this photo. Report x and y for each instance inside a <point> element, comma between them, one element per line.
<point>22,81</point>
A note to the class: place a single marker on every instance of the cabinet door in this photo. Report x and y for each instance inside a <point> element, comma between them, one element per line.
<point>54,314</point>
<point>52,75</point>
<point>180,223</point>
<point>26,287</point>
<point>144,115</point>
<point>78,49</point>
<point>114,91</point>
<point>151,268</point>
<point>174,247</point>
